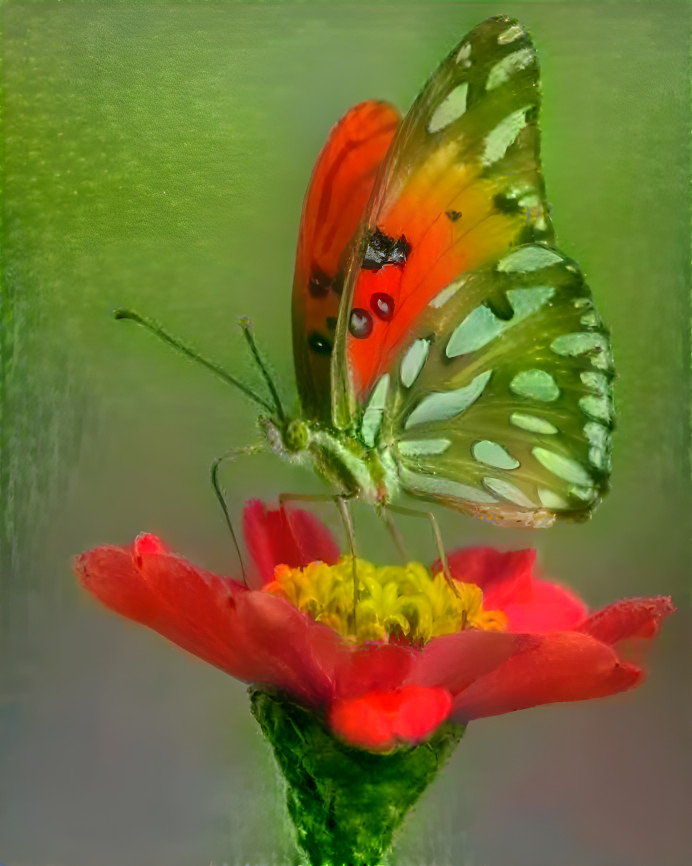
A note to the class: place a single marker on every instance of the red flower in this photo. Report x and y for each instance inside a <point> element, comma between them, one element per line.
<point>377,694</point>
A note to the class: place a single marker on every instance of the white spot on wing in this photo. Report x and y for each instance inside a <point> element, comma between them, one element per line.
<point>508,491</point>
<point>586,494</point>
<point>528,258</point>
<point>414,361</point>
<point>446,294</point>
<point>562,466</point>
<point>598,408</point>
<point>443,405</point>
<point>532,423</point>
<point>452,107</point>
<point>420,447</point>
<point>603,359</point>
<point>464,53</point>
<point>535,384</point>
<point>552,500</point>
<point>579,342</point>
<point>599,440</point>
<point>482,325</point>
<point>435,485</point>
<point>374,411</point>
<point>596,382</point>
<point>503,136</point>
<point>478,328</point>
<point>509,66</point>
<point>511,34</point>
<point>493,454</point>
<point>527,301</point>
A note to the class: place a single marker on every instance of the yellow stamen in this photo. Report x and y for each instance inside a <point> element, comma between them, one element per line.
<point>400,602</point>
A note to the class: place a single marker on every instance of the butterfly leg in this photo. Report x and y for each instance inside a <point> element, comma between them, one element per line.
<point>412,512</point>
<point>341,503</point>
<point>233,454</point>
<point>394,531</point>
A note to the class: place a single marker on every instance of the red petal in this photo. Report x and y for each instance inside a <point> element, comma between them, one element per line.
<point>503,577</point>
<point>564,666</point>
<point>147,542</point>
<point>628,618</point>
<point>373,667</point>
<point>508,584</point>
<point>379,721</point>
<point>109,574</point>
<point>456,660</point>
<point>290,536</point>
<point>551,608</point>
<point>251,635</point>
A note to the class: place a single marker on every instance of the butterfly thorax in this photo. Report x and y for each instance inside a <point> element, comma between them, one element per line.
<point>339,457</point>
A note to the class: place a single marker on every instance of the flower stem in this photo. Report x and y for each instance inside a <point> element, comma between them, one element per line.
<point>345,803</point>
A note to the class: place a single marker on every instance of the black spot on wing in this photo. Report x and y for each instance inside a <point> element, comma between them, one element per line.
<point>319,344</point>
<point>319,284</point>
<point>382,250</point>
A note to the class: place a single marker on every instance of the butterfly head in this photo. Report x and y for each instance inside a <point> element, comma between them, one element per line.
<point>296,436</point>
<point>286,438</point>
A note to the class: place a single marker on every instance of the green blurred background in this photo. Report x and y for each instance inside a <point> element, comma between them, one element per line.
<point>155,156</point>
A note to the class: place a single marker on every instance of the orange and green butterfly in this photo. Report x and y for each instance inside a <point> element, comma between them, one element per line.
<point>444,347</point>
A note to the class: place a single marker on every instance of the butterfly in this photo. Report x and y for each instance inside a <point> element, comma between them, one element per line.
<point>443,346</point>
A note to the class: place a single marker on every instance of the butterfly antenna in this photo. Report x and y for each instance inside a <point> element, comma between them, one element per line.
<point>181,347</point>
<point>246,327</point>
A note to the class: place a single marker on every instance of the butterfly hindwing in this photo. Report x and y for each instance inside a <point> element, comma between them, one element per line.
<point>507,418</point>
<point>460,185</point>
<point>337,195</point>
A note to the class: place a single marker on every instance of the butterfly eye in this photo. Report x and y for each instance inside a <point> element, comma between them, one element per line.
<point>382,306</point>
<point>320,345</point>
<point>361,323</point>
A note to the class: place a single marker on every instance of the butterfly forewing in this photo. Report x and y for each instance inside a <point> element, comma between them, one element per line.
<point>339,189</point>
<point>467,346</point>
<point>507,417</point>
<point>460,185</point>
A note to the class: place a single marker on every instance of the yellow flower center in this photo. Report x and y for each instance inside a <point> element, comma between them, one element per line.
<point>401,602</point>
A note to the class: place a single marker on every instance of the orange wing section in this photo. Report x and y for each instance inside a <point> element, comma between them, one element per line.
<point>340,187</point>
<point>445,222</point>
<point>460,186</point>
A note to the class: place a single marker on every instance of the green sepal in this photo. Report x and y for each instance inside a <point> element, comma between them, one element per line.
<point>345,802</point>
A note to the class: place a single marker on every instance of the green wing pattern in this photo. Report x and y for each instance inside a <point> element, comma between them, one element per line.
<point>506,416</point>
